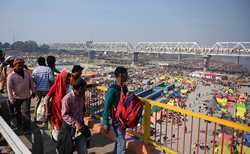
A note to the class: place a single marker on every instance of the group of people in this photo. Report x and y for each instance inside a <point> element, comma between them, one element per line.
<point>64,94</point>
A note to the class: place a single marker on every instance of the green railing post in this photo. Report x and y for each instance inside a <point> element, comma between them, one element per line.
<point>146,122</point>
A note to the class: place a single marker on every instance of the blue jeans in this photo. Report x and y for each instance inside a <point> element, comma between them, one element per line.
<point>120,144</point>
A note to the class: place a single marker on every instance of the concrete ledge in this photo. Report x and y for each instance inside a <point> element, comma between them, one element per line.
<point>13,140</point>
<point>139,147</point>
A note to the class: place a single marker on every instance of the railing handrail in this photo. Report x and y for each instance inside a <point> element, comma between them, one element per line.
<point>13,140</point>
<point>191,113</point>
<point>199,115</point>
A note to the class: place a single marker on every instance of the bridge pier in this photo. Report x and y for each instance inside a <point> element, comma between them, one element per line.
<point>206,61</point>
<point>135,58</point>
<point>179,57</point>
<point>238,59</point>
<point>91,55</point>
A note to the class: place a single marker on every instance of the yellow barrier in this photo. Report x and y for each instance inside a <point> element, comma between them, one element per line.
<point>146,122</point>
<point>161,147</point>
<point>199,115</point>
<point>147,112</point>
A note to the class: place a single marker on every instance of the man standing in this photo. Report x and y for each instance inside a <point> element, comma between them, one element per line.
<point>110,105</point>
<point>20,89</point>
<point>2,70</point>
<point>72,131</point>
<point>51,61</point>
<point>43,78</point>
<point>76,73</point>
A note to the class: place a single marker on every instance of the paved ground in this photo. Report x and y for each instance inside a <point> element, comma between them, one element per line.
<point>195,104</point>
<point>41,143</point>
<point>101,145</point>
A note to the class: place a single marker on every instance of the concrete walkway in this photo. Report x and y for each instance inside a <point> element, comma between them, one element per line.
<point>40,141</point>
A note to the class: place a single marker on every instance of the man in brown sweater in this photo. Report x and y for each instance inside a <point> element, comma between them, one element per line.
<point>20,89</point>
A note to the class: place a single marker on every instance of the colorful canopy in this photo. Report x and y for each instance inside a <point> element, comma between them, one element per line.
<point>163,77</point>
<point>184,91</point>
<point>240,106</point>
<point>230,105</point>
<point>232,98</point>
<point>221,101</point>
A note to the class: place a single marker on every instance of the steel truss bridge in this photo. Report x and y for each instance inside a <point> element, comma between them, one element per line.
<point>192,48</point>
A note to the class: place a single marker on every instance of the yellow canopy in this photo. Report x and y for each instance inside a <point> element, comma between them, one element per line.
<point>189,81</point>
<point>224,110</point>
<point>163,77</point>
<point>184,91</point>
<point>221,101</point>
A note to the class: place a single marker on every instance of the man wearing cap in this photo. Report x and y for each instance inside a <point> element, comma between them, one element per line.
<point>2,70</point>
<point>7,68</point>
<point>20,89</point>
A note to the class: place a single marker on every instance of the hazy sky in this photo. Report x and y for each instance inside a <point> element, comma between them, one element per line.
<point>204,21</point>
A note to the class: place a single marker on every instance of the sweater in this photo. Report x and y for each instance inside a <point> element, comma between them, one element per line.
<point>19,87</point>
<point>112,97</point>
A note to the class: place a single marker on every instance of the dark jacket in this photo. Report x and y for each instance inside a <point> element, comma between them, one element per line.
<point>65,143</point>
<point>112,97</point>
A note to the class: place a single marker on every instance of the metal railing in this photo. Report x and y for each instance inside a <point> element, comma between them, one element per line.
<point>176,130</point>
<point>13,140</point>
<point>94,100</point>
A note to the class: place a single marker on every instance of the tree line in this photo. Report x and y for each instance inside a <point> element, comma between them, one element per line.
<point>24,46</point>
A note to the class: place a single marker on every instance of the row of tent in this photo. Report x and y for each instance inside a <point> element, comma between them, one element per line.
<point>232,101</point>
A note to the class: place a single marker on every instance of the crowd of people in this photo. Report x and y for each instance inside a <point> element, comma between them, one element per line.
<point>63,95</point>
